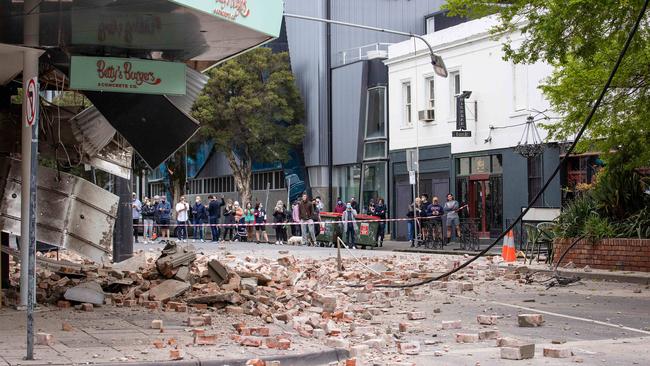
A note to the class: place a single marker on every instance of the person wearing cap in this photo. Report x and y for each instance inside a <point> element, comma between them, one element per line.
<point>136,209</point>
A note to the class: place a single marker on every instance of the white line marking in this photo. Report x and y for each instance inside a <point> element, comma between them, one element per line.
<point>559,315</point>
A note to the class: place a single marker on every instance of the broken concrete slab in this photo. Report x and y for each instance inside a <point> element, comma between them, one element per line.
<point>168,289</point>
<point>217,272</point>
<point>131,265</point>
<point>87,292</point>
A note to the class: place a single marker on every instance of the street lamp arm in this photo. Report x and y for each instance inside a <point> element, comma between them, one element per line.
<point>436,61</point>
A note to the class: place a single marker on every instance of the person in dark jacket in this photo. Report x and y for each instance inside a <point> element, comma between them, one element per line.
<point>260,221</point>
<point>148,212</point>
<point>214,214</point>
<point>380,211</point>
<point>199,217</point>
<point>280,217</point>
<point>165,212</point>
<point>229,221</point>
<point>306,214</point>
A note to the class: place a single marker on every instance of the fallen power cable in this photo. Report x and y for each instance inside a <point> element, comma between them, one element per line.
<point>579,135</point>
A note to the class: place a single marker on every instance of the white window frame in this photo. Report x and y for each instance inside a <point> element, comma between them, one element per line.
<point>453,93</point>
<point>430,24</point>
<point>407,104</point>
<point>430,91</point>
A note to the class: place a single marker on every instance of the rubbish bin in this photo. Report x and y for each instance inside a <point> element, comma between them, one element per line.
<point>367,233</point>
<point>329,231</point>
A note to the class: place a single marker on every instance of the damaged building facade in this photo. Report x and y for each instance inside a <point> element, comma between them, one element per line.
<point>130,40</point>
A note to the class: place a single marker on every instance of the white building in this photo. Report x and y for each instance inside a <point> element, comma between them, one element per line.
<point>482,170</point>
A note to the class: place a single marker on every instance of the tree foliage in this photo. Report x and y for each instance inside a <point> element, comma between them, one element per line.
<point>252,109</point>
<point>582,40</point>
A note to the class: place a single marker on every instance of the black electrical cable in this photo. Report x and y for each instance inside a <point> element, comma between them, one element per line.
<point>555,172</point>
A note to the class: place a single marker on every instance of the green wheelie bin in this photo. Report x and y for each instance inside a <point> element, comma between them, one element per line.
<point>329,231</point>
<point>367,232</point>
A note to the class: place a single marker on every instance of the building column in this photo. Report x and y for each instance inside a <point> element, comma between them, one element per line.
<point>123,233</point>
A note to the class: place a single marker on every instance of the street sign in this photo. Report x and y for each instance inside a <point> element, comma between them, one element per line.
<point>461,133</point>
<point>412,159</point>
<point>411,176</point>
<point>31,96</point>
<point>461,117</point>
<point>127,75</point>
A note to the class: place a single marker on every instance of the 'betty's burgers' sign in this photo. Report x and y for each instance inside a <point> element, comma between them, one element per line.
<point>127,75</point>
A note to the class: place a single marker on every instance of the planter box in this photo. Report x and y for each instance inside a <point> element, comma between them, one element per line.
<point>609,254</point>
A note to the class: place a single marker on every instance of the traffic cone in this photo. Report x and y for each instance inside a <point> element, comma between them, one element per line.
<point>508,251</point>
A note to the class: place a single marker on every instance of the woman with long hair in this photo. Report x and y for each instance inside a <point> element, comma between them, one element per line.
<point>280,217</point>
<point>229,220</point>
<point>249,220</point>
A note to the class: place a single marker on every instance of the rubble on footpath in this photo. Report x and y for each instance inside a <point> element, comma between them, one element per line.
<point>308,296</point>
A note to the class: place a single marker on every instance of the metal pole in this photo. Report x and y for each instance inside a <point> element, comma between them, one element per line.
<point>436,61</point>
<point>415,220</point>
<point>30,70</point>
<point>31,293</point>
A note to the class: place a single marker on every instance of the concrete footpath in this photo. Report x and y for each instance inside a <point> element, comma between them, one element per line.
<point>109,335</point>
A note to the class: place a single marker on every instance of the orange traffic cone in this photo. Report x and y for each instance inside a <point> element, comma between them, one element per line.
<point>508,250</point>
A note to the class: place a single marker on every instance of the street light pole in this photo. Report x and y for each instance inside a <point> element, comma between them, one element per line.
<point>438,65</point>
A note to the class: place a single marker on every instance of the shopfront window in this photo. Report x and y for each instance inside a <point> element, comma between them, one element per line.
<point>346,181</point>
<point>374,182</point>
<point>376,113</point>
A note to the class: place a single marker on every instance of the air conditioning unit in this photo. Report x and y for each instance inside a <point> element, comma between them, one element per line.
<point>427,115</point>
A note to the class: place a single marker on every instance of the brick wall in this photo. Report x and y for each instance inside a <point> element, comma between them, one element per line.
<point>610,254</point>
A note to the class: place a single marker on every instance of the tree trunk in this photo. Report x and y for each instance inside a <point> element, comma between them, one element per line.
<point>243,174</point>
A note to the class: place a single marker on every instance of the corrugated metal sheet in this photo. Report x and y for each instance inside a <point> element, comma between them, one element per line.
<point>91,130</point>
<point>72,213</point>
<point>196,81</point>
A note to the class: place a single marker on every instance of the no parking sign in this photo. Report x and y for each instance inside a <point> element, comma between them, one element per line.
<point>31,97</point>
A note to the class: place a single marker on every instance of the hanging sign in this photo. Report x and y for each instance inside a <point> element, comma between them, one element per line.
<point>263,16</point>
<point>127,75</point>
<point>31,96</point>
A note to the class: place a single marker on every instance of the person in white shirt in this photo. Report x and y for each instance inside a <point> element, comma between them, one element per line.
<point>182,209</point>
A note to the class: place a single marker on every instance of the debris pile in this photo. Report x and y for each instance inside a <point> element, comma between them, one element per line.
<point>308,297</point>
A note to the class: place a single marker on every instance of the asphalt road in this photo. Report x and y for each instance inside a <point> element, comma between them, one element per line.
<point>603,323</point>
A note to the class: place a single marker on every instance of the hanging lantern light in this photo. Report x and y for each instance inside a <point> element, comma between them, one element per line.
<point>530,144</point>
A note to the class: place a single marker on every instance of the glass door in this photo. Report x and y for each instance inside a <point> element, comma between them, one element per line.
<point>480,206</point>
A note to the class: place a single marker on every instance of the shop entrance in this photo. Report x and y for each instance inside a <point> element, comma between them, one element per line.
<point>479,185</point>
<point>479,203</point>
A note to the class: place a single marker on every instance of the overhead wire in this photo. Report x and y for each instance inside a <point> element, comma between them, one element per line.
<point>582,130</point>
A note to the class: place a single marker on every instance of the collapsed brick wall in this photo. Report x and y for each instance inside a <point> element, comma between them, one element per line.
<point>609,254</point>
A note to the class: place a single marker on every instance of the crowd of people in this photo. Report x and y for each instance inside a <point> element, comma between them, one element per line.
<point>428,216</point>
<point>228,221</point>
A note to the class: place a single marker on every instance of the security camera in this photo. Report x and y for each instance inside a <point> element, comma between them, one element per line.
<point>488,140</point>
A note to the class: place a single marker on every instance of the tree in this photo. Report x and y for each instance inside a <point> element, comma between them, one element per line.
<point>582,40</point>
<point>252,109</point>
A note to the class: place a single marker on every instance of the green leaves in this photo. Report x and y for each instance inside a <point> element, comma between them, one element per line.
<point>582,39</point>
<point>251,106</point>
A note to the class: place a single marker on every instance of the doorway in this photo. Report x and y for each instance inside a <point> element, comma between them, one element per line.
<point>484,199</point>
